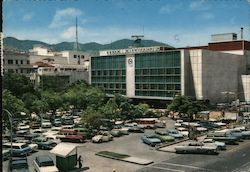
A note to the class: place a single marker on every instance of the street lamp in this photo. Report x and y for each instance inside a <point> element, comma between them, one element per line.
<point>11,136</point>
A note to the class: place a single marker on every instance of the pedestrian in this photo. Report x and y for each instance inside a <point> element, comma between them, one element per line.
<point>80,161</point>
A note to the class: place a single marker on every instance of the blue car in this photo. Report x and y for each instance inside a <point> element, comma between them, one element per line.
<point>174,133</point>
<point>150,140</point>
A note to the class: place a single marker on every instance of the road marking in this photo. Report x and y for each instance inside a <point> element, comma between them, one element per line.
<point>162,168</point>
<point>180,165</point>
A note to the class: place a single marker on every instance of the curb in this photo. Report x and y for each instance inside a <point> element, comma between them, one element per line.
<point>106,156</point>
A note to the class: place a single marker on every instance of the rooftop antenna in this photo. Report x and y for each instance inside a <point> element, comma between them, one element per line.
<point>138,38</point>
<point>76,45</point>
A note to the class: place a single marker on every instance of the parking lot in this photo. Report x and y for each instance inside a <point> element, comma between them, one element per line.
<point>162,161</point>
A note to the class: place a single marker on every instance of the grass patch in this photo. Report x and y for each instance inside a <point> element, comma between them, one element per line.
<point>112,154</point>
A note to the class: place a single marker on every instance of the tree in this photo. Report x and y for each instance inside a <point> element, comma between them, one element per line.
<point>92,118</point>
<point>12,103</point>
<point>17,84</point>
<point>39,106</point>
<point>53,99</point>
<point>185,105</point>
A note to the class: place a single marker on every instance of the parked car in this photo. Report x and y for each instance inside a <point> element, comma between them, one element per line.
<point>5,154</point>
<point>44,143</point>
<point>196,147</point>
<point>18,149</point>
<point>18,165</point>
<point>68,120</point>
<point>174,133</point>
<point>46,123</point>
<point>208,125</point>
<point>150,140</point>
<point>164,138</point>
<point>102,137</point>
<point>115,133</point>
<point>33,146</point>
<point>57,122</point>
<point>233,133</point>
<point>228,139</point>
<point>44,163</point>
<point>122,129</point>
<point>35,124</point>
<point>160,125</point>
<point>183,131</point>
<point>136,129</point>
<point>220,145</point>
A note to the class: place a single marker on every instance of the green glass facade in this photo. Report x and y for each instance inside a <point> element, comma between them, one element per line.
<point>109,73</point>
<point>158,74</point>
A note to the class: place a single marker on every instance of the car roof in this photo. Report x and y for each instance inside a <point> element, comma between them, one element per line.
<point>44,158</point>
<point>15,144</point>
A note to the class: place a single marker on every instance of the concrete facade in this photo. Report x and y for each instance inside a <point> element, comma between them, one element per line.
<point>17,62</point>
<point>246,87</point>
<point>205,74</point>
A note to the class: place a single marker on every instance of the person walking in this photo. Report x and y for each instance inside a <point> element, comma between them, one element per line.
<point>80,161</point>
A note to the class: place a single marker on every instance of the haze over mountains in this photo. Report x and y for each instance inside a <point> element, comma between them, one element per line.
<point>25,45</point>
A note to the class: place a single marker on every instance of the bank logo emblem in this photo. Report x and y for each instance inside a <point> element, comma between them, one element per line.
<point>130,61</point>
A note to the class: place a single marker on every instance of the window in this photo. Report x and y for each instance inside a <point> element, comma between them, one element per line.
<point>28,62</point>
<point>82,56</point>
<point>10,61</point>
<point>21,61</point>
<point>16,61</point>
<point>75,56</point>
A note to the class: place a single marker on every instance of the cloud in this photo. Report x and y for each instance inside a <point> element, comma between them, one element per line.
<point>199,5</point>
<point>27,17</point>
<point>169,8</point>
<point>70,33</point>
<point>62,17</point>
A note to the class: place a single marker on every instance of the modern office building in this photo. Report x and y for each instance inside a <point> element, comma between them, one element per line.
<point>160,73</point>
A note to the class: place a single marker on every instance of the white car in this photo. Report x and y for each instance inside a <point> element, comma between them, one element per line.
<point>178,123</point>
<point>44,163</point>
<point>46,124</point>
<point>33,147</point>
<point>22,126</point>
<point>201,129</point>
<point>104,137</point>
<point>220,145</point>
<point>183,131</point>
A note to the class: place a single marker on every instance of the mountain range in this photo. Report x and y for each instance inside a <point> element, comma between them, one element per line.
<point>25,45</point>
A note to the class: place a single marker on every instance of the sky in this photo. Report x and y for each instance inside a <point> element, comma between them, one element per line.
<point>178,23</point>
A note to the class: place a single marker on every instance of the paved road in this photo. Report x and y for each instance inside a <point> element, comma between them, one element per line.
<point>235,159</point>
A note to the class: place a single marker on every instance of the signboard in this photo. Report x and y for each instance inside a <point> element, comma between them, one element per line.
<point>130,51</point>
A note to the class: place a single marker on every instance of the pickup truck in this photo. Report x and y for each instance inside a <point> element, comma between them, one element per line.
<point>44,163</point>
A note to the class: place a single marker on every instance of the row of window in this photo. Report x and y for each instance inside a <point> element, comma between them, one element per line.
<point>158,86</point>
<point>161,59</point>
<point>157,79</point>
<point>108,79</point>
<point>79,56</point>
<point>163,71</point>
<point>25,71</point>
<point>108,72</point>
<point>157,93</point>
<point>106,86</point>
<point>108,62</point>
<point>10,61</point>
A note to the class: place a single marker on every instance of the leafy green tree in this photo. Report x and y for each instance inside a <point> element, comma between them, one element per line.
<point>39,106</point>
<point>92,118</point>
<point>17,84</point>
<point>185,105</point>
<point>12,103</point>
<point>53,99</point>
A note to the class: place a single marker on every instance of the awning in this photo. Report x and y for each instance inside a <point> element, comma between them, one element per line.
<point>64,149</point>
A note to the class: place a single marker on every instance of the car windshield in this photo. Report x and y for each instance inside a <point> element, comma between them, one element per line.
<point>24,146</point>
<point>19,164</point>
<point>47,163</point>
